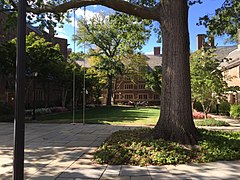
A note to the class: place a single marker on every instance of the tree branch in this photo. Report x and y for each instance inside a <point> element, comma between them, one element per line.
<point>153,13</point>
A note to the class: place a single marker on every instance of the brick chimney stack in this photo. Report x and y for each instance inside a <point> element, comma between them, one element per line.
<point>157,51</point>
<point>200,41</point>
<point>239,39</point>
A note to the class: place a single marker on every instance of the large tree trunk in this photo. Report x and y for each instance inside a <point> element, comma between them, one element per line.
<point>109,93</point>
<point>176,122</point>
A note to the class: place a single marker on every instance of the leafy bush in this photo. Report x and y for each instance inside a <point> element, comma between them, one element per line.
<point>235,111</point>
<point>224,108</point>
<point>138,147</point>
<point>197,106</point>
<point>210,122</point>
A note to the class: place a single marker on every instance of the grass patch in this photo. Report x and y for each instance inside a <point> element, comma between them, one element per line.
<point>210,122</point>
<point>108,115</point>
<point>138,147</point>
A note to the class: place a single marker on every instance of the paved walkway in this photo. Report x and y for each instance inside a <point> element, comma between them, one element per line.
<point>64,152</point>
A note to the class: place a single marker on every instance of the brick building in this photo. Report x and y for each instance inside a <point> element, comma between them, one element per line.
<point>126,89</point>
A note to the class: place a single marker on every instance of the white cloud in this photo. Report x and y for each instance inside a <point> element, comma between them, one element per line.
<point>80,14</point>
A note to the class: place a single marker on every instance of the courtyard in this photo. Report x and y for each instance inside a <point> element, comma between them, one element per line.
<point>64,152</point>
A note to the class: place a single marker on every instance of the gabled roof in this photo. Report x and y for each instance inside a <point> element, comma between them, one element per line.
<point>232,59</point>
<point>223,51</point>
<point>154,60</point>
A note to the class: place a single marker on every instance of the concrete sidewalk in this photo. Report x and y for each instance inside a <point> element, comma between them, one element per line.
<point>64,152</point>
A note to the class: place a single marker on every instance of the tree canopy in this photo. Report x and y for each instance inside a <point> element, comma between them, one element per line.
<point>112,37</point>
<point>225,21</point>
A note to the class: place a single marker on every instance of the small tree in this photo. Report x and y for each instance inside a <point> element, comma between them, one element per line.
<point>207,80</point>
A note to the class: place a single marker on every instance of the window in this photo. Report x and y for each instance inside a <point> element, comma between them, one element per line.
<point>141,86</point>
<point>142,96</point>
<point>39,95</point>
<point>156,96</point>
<point>117,96</point>
<point>128,96</point>
<point>128,86</point>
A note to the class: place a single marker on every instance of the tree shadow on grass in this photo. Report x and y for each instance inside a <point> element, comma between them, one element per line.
<point>106,115</point>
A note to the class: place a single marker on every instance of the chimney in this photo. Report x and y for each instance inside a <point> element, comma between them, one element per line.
<point>200,41</point>
<point>157,51</point>
<point>239,39</point>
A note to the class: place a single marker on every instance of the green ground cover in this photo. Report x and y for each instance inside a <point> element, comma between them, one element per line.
<point>138,147</point>
<point>108,115</point>
<point>210,122</point>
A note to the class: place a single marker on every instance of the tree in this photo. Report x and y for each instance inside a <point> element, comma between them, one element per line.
<point>7,58</point>
<point>176,122</point>
<point>8,63</point>
<point>207,80</point>
<point>113,36</point>
<point>96,79</point>
<point>225,21</point>
<point>45,59</point>
<point>154,79</point>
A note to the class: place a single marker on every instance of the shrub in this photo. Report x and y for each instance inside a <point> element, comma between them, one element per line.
<point>58,109</point>
<point>41,111</point>
<point>235,111</point>
<point>198,106</point>
<point>224,108</point>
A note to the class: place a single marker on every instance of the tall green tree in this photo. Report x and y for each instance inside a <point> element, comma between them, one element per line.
<point>154,79</point>
<point>42,57</point>
<point>8,63</point>
<point>113,36</point>
<point>207,80</point>
<point>175,122</point>
<point>225,21</point>
<point>45,59</point>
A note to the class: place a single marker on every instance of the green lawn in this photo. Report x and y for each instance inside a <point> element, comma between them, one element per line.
<point>109,115</point>
<point>118,115</point>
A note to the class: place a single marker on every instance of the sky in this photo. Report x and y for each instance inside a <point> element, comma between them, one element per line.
<point>195,11</point>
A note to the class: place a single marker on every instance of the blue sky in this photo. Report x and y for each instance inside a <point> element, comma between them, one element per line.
<point>196,11</point>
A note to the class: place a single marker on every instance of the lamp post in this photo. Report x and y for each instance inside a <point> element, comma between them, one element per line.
<point>34,95</point>
<point>19,128</point>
